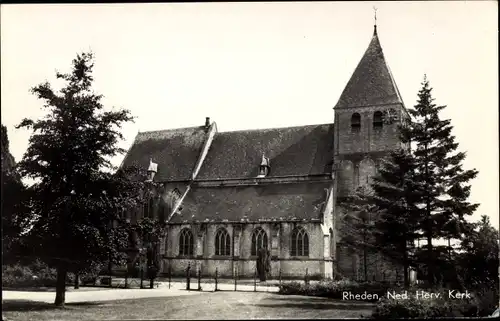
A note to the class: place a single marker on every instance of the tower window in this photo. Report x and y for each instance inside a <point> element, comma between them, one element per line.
<point>355,122</point>
<point>378,120</point>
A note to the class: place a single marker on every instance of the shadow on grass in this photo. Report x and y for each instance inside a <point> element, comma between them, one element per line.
<point>30,289</point>
<point>282,301</point>
<point>28,305</point>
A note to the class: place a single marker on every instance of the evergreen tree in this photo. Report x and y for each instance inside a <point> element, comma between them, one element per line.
<point>75,197</point>
<point>444,205</point>
<point>384,218</point>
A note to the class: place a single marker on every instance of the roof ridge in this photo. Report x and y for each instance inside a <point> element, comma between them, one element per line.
<point>273,128</point>
<point>169,129</point>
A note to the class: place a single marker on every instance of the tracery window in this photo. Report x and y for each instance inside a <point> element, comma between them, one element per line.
<point>300,242</point>
<point>186,242</point>
<point>259,240</point>
<point>222,242</point>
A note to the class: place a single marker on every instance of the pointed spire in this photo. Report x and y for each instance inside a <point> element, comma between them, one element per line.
<point>372,82</point>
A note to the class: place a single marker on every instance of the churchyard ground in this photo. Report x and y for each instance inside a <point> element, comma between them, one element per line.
<point>174,303</point>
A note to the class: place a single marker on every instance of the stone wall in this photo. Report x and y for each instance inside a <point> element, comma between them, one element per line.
<point>279,242</point>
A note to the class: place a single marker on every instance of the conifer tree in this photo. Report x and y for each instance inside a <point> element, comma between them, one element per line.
<point>444,204</point>
<point>386,217</point>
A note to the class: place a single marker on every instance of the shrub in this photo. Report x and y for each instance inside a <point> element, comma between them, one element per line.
<point>36,274</point>
<point>481,304</point>
<point>336,289</point>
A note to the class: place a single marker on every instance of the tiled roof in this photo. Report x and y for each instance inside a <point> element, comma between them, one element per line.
<point>372,82</point>
<point>175,151</point>
<point>264,202</point>
<point>299,150</point>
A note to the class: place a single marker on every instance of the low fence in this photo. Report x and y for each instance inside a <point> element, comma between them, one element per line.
<point>196,276</point>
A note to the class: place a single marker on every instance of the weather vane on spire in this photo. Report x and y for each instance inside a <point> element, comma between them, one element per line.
<point>375,25</point>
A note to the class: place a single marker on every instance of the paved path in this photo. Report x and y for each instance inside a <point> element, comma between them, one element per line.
<point>97,295</point>
<point>85,294</point>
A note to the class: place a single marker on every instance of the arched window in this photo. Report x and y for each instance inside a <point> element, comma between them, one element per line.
<point>300,242</point>
<point>148,206</point>
<point>355,122</point>
<point>378,121</point>
<point>145,208</point>
<point>259,240</point>
<point>222,242</point>
<point>186,242</point>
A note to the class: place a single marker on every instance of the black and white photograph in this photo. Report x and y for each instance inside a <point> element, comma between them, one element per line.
<point>250,160</point>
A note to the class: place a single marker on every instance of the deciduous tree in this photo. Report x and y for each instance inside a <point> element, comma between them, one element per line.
<point>75,196</point>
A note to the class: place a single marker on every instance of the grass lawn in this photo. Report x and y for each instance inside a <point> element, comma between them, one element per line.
<point>218,305</point>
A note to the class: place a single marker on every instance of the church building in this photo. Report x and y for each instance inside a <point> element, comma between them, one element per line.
<point>226,194</point>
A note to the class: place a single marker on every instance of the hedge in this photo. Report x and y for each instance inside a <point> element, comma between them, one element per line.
<point>336,289</point>
<point>482,303</point>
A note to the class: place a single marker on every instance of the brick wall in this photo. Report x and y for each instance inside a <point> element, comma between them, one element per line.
<point>367,139</point>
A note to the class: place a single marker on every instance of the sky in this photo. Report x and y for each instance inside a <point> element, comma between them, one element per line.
<point>259,65</point>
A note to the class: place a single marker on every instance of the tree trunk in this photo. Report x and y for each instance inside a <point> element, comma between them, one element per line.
<point>365,265</point>
<point>77,281</point>
<point>430,260</point>
<point>62,272</point>
<point>406,267</point>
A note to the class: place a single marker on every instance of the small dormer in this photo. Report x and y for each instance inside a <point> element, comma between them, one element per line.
<point>152,169</point>
<point>265,167</point>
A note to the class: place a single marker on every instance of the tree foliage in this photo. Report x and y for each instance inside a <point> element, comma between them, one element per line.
<point>75,196</point>
<point>15,209</point>
<point>479,253</point>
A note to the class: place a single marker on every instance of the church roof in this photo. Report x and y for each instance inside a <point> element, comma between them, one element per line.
<point>301,150</point>
<point>174,150</point>
<point>372,82</point>
<point>298,201</point>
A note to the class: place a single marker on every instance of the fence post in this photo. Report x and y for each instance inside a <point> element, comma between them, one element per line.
<point>169,275</point>
<point>255,280</point>
<point>235,276</point>
<point>187,276</point>
<point>126,277</point>
<point>280,276</point>
<point>199,278</point>
<point>142,276</point>
<point>216,272</point>
<point>306,279</point>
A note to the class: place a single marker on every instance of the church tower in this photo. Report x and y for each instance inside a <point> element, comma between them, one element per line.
<point>366,119</point>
